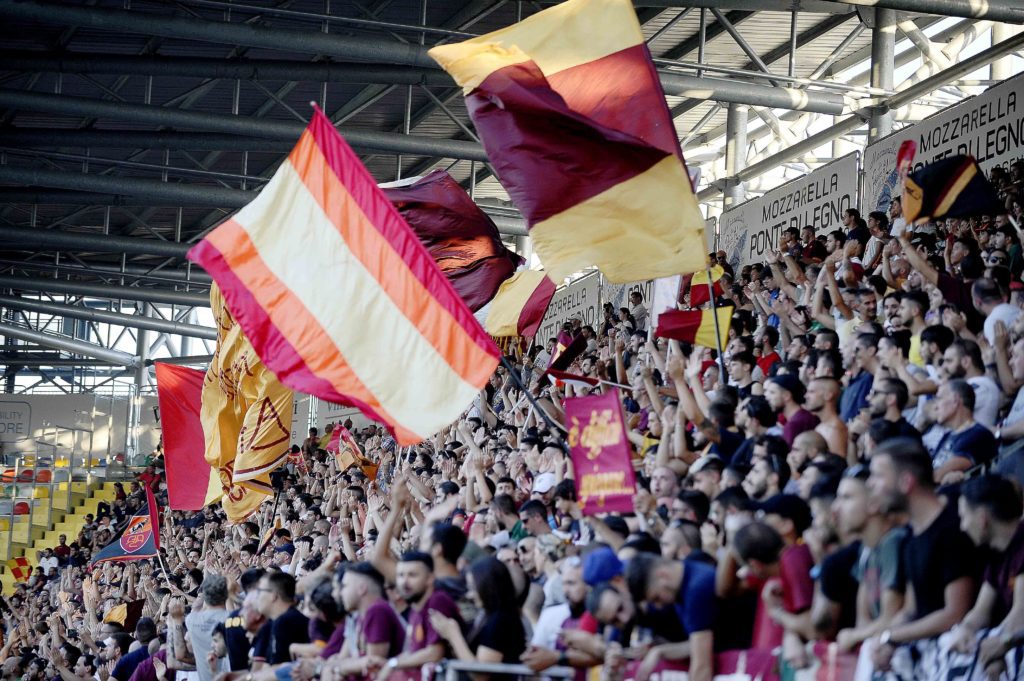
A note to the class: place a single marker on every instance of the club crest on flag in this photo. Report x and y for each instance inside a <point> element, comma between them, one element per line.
<point>137,534</point>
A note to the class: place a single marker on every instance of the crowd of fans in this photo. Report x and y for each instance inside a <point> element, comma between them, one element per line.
<point>847,476</point>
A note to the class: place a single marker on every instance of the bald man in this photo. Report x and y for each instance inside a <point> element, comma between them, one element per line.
<point>822,400</point>
<point>807,446</point>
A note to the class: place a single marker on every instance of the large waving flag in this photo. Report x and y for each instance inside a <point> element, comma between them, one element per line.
<point>462,239</point>
<point>953,187</point>
<point>340,299</point>
<point>519,307</point>
<point>139,539</point>
<point>246,415</point>
<point>696,326</point>
<point>191,482</point>
<point>571,112</point>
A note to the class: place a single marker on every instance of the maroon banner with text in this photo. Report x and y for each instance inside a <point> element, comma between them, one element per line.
<point>601,454</point>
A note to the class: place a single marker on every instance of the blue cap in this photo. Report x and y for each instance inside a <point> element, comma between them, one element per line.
<point>601,565</point>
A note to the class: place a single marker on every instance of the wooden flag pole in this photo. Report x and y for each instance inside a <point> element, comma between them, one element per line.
<point>718,333</point>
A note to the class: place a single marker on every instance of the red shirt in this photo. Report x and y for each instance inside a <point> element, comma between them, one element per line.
<point>797,594</point>
<point>765,362</point>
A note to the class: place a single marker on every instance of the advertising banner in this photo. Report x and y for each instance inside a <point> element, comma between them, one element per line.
<point>819,199</point>
<point>581,297</point>
<point>601,454</point>
<point>989,127</point>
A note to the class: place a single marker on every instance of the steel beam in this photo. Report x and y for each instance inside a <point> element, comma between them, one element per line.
<point>148,295</point>
<point>191,359</point>
<point>46,239</point>
<point>169,26</point>
<point>197,276</point>
<point>167,193</point>
<point>1008,11</point>
<point>735,153</point>
<point>261,70</point>
<point>105,317</point>
<point>72,345</point>
<point>814,6</point>
<point>240,125</point>
<point>740,92</point>
<point>42,138</point>
<point>55,362</point>
<point>883,61</point>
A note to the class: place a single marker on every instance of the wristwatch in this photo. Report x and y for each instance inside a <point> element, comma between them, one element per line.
<point>393,663</point>
<point>886,638</point>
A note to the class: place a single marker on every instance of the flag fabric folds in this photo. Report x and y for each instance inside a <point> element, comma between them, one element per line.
<point>191,482</point>
<point>953,187</point>
<point>570,110</point>
<point>340,299</point>
<point>519,306</point>
<point>462,239</point>
<point>566,355</point>
<point>699,293</point>
<point>696,326</point>
<point>246,416</point>
<point>139,539</point>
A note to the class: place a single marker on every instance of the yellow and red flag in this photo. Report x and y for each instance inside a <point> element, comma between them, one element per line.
<point>246,415</point>
<point>20,569</point>
<point>569,107</point>
<point>340,299</point>
<point>520,304</point>
<point>699,293</point>
<point>696,326</point>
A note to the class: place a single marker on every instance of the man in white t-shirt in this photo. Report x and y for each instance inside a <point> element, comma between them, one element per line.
<point>899,225</point>
<point>963,359</point>
<point>990,301</point>
<point>48,561</point>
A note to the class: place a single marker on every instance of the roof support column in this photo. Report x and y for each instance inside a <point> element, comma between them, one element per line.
<point>883,61</point>
<point>142,352</point>
<point>735,153</point>
<point>1001,69</point>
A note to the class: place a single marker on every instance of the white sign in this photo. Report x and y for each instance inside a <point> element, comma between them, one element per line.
<point>581,297</point>
<point>300,418</point>
<point>989,127</point>
<point>327,412</point>
<point>819,199</point>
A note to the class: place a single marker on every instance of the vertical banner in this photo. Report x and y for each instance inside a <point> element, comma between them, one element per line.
<point>601,454</point>
<point>989,127</point>
<point>664,297</point>
<point>819,199</point>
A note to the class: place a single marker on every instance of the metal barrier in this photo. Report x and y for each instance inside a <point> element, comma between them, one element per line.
<point>450,670</point>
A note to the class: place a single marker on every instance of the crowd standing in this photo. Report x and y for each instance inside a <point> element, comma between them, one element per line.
<point>845,477</point>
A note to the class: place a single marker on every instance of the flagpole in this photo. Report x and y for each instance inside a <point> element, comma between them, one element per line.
<point>163,567</point>
<point>718,333</point>
<point>533,401</point>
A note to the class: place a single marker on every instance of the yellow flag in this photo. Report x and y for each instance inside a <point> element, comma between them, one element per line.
<point>246,416</point>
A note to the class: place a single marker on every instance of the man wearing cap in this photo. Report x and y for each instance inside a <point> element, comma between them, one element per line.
<point>785,394</point>
<point>201,623</point>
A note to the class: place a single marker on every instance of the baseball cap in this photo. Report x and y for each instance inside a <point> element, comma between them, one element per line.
<point>601,565</point>
<point>788,506</point>
<point>544,483</point>
<point>791,383</point>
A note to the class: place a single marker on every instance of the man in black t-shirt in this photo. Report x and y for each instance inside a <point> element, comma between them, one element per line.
<point>275,599</point>
<point>937,558</point>
<point>243,621</point>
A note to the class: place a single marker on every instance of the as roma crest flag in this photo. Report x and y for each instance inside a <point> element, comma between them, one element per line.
<point>570,109</point>
<point>339,298</point>
<point>601,455</point>
<point>139,539</point>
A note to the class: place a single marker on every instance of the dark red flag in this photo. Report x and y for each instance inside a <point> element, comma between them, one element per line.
<point>462,239</point>
<point>180,391</point>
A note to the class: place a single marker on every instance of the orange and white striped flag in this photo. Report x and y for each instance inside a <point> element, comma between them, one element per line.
<point>341,300</point>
